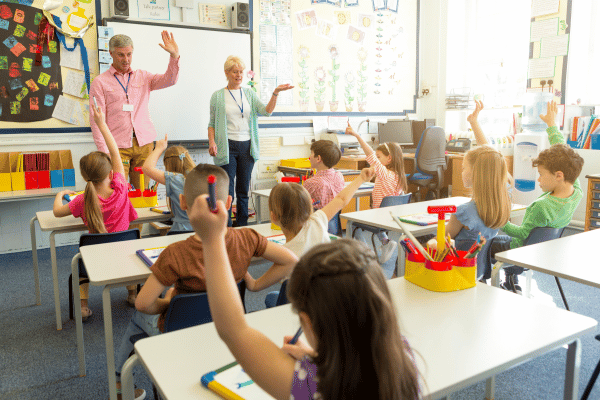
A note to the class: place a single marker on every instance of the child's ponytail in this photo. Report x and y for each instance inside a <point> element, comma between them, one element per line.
<point>95,167</point>
<point>92,209</point>
<point>178,160</point>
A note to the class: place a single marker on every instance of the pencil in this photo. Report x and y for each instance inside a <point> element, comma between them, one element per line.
<point>296,336</point>
<point>411,237</point>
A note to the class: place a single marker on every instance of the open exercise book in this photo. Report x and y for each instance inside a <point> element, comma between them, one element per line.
<point>231,382</point>
<point>422,219</point>
<point>149,256</point>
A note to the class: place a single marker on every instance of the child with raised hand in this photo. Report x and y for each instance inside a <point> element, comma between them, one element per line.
<point>104,206</point>
<point>291,208</point>
<point>388,165</point>
<point>558,168</point>
<point>345,311</point>
<point>178,163</point>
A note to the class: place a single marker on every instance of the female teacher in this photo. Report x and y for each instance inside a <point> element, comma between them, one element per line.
<point>233,132</point>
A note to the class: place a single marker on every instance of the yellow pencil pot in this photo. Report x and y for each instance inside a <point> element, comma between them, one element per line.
<point>448,276</point>
<point>148,199</point>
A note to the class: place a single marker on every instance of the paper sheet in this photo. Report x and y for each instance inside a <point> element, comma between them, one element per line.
<point>71,59</point>
<point>540,29</point>
<point>544,7</point>
<point>69,111</point>
<point>284,39</point>
<point>306,19</point>
<point>268,38</point>
<point>338,123</point>
<point>541,68</point>
<point>356,121</point>
<point>269,146</point>
<point>326,29</point>
<point>268,65</point>
<point>74,84</point>
<point>319,125</point>
<point>554,46</point>
<point>267,85</point>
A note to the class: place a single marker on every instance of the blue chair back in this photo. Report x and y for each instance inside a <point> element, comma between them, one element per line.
<point>543,234</point>
<point>335,225</point>
<point>282,298</point>
<point>191,309</point>
<point>389,201</point>
<point>172,232</point>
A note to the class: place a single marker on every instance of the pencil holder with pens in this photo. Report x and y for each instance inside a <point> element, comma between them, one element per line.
<point>142,199</point>
<point>449,275</point>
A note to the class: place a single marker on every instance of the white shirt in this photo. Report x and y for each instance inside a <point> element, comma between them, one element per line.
<point>238,128</point>
<point>313,232</point>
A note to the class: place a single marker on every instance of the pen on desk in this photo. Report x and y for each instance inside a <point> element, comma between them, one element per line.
<point>212,197</point>
<point>296,336</point>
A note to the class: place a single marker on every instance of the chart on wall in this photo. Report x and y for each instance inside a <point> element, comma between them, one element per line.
<point>341,55</point>
<point>44,73</point>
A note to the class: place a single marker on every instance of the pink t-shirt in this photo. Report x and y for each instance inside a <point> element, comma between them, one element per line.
<point>117,209</point>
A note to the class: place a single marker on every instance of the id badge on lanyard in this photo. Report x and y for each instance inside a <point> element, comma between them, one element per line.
<point>126,106</point>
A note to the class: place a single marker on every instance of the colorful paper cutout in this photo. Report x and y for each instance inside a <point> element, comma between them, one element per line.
<point>3,62</point>
<point>34,103</point>
<point>18,49</point>
<point>46,62</point>
<point>0,110</point>
<point>21,95</point>
<point>77,19</point>
<point>15,107</point>
<point>37,19</point>
<point>27,63</point>
<point>19,31</point>
<point>15,84</point>
<point>14,70</point>
<point>48,100</point>
<point>19,16</point>
<point>66,9</point>
<point>32,85</point>
<point>31,35</point>
<point>5,12</point>
<point>43,79</point>
<point>4,24</point>
<point>10,42</point>
<point>4,92</point>
<point>52,46</point>
<point>53,85</point>
<point>33,48</point>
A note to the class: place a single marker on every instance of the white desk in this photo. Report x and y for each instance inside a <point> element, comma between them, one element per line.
<point>267,192</point>
<point>48,222</point>
<point>443,328</point>
<point>116,264</point>
<point>571,257</point>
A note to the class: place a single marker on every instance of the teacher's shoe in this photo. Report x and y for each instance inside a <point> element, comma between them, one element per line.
<point>138,394</point>
<point>387,251</point>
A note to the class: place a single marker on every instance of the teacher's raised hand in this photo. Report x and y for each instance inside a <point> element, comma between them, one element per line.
<point>169,44</point>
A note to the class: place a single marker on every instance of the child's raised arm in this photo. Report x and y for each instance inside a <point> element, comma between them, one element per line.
<point>113,150</point>
<point>269,366</point>
<point>551,112</point>
<point>59,209</point>
<point>344,197</point>
<point>365,146</point>
<point>283,263</point>
<point>479,135</point>
<point>149,167</point>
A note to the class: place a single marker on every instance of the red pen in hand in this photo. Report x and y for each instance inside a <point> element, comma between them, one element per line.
<point>212,197</point>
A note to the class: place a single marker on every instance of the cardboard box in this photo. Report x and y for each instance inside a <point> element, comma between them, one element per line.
<point>17,176</point>
<point>56,173</point>
<point>66,163</point>
<point>43,162</point>
<point>31,180</point>
<point>5,185</point>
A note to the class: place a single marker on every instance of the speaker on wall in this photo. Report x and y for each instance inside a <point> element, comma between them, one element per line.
<point>240,16</point>
<point>119,8</point>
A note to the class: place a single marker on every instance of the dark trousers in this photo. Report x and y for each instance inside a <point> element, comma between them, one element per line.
<point>239,170</point>
<point>499,244</point>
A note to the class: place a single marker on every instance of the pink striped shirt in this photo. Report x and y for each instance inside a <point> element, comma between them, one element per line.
<point>386,181</point>
<point>111,96</point>
<point>324,186</point>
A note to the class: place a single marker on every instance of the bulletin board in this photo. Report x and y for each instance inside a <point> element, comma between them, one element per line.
<point>549,47</point>
<point>343,56</point>
<point>49,97</point>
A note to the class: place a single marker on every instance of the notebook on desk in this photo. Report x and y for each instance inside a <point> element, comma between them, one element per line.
<point>231,382</point>
<point>149,256</point>
<point>422,219</point>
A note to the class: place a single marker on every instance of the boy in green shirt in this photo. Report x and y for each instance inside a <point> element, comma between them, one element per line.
<point>558,168</point>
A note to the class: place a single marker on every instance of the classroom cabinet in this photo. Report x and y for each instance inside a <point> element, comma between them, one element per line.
<point>592,206</point>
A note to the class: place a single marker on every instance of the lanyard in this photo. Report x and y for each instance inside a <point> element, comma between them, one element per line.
<point>241,98</point>
<point>124,88</point>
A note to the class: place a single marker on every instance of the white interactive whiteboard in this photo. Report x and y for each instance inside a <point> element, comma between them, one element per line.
<point>182,110</point>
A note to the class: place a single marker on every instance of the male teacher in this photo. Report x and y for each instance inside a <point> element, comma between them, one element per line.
<point>123,95</point>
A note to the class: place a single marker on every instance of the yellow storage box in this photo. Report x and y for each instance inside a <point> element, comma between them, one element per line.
<point>5,185</point>
<point>296,163</point>
<point>451,275</point>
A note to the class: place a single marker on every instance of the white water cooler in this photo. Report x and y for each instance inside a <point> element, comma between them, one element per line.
<point>527,147</point>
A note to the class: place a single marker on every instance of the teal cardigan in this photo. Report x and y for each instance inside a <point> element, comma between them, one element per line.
<point>218,121</point>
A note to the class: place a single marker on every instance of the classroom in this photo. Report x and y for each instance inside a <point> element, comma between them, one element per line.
<point>367,77</point>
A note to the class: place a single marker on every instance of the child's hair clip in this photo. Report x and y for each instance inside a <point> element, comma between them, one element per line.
<point>181,156</point>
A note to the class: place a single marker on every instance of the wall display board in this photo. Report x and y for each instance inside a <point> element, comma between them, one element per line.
<point>342,56</point>
<point>43,86</point>
<point>182,111</point>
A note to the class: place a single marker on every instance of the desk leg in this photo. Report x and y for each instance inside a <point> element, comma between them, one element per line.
<point>77,306</point>
<point>127,377</point>
<point>357,203</point>
<point>258,211</point>
<point>348,229</point>
<point>55,279</point>
<point>108,338</point>
<point>490,388</point>
<point>401,261</point>
<point>572,370</point>
<point>496,273</point>
<point>36,271</point>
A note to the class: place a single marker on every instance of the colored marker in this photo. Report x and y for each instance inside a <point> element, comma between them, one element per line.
<point>95,102</point>
<point>212,197</point>
<point>247,383</point>
<point>296,336</point>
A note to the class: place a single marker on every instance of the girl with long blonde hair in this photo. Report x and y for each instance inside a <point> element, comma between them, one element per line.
<point>104,206</point>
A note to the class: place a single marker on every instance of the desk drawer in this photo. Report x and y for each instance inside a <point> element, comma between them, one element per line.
<point>596,204</point>
<point>594,223</point>
<point>595,195</point>
<point>595,214</point>
<point>595,185</point>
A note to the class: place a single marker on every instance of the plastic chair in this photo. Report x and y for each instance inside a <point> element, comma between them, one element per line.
<point>335,225</point>
<point>592,381</point>
<point>281,296</point>
<point>387,201</point>
<point>430,161</point>
<point>171,232</point>
<point>97,238</point>
<point>539,235</point>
